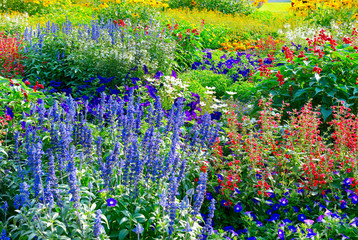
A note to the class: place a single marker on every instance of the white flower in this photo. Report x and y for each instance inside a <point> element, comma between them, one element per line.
<point>231,93</point>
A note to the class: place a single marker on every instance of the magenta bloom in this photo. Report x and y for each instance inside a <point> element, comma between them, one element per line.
<point>111,202</point>
<point>309,221</point>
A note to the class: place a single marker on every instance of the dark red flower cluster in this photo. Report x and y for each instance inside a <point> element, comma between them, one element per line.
<point>120,23</point>
<point>263,156</point>
<point>10,57</point>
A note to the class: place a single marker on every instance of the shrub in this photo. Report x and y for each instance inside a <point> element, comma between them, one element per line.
<point>224,6</point>
<point>109,50</point>
<point>108,170</point>
<point>272,175</point>
<point>137,11</point>
<point>208,79</point>
<point>238,66</point>
<point>11,57</point>
<point>244,90</point>
<point>323,73</point>
<point>16,98</point>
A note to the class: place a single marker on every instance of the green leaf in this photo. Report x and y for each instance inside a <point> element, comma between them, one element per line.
<point>318,90</point>
<point>2,150</point>
<point>331,75</point>
<point>299,93</point>
<point>326,112</point>
<point>122,234</point>
<point>123,220</point>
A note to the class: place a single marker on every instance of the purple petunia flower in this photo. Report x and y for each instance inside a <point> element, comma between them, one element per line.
<point>281,233</point>
<point>327,213</point>
<point>292,228</point>
<point>287,221</point>
<point>301,217</point>
<point>283,202</point>
<point>310,233</point>
<point>320,218</point>
<point>238,207</point>
<point>274,217</point>
<point>111,202</point>
<point>308,221</point>
<point>276,207</point>
<point>347,181</point>
<point>209,196</point>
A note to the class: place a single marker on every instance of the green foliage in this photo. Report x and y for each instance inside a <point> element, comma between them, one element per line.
<point>224,6</point>
<point>17,96</point>
<point>74,60</point>
<point>244,90</point>
<point>335,84</point>
<point>207,78</point>
<point>137,13</point>
<point>323,16</point>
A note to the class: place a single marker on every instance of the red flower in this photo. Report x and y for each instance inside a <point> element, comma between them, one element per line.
<point>317,69</point>
<point>27,82</point>
<point>280,79</point>
<point>203,169</point>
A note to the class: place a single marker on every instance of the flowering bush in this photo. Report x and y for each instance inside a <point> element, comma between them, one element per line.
<point>10,57</point>
<point>286,176</point>
<point>110,50</point>
<point>137,11</point>
<point>15,99</point>
<point>224,6</point>
<point>115,169</point>
<point>323,72</point>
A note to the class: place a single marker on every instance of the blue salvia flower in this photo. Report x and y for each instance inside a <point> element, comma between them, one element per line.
<point>120,112</point>
<point>87,142</point>
<point>99,150</point>
<point>24,197</point>
<point>134,159</point>
<point>200,194</point>
<point>138,230</point>
<point>112,159</point>
<point>208,223</point>
<point>182,170</point>
<point>49,198</point>
<point>36,156</point>
<point>17,201</point>
<point>138,120</point>
<point>72,107</point>
<point>158,112</point>
<point>52,180</point>
<point>41,112</point>
<point>170,120</point>
<point>5,207</point>
<point>172,205</point>
<point>4,236</point>
<point>98,228</point>
<point>72,177</point>
<point>150,112</point>
<point>54,137</point>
